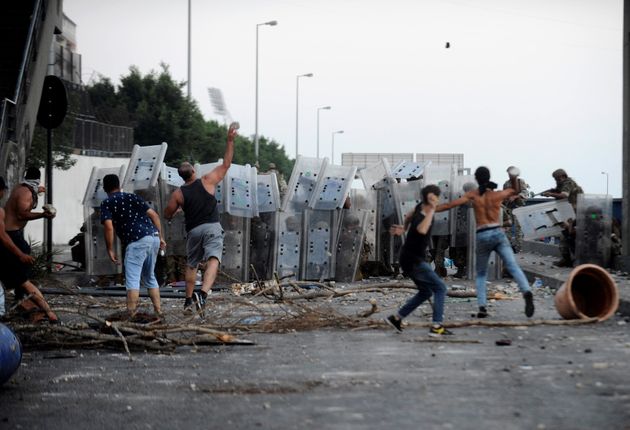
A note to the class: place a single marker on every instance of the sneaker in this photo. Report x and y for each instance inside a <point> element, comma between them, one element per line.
<point>437,331</point>
<point>529,303</point>
<point>188,305</point>
<point>199,301</point>
<point>483,312</point>
<point>396,323</point>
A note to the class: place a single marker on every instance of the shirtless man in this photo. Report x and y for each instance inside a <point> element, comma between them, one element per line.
<point>14,250</point>
<point>204,241</point>
<point>490,236</point>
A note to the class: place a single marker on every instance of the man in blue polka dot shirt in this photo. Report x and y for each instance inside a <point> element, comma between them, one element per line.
<point>139,229</point>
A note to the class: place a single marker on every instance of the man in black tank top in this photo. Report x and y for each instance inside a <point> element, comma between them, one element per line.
<point>204,243</point>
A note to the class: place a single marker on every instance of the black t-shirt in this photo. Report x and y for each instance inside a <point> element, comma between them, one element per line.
<point>414,251</point>
<point>199,205</point>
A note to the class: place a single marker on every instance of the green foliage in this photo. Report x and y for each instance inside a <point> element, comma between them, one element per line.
<point>155,105</point>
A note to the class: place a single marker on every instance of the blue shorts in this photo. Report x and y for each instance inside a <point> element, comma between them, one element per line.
<point>140,258</point>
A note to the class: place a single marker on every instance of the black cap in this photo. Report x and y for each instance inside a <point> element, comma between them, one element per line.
<point>3,185</point>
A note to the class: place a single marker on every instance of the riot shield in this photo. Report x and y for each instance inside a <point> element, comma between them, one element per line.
<point>374,174</point>
<point>594,227</point>
<point>263,228</point>
<point>173,230</point>
<point>144,168</point>
<point>318,256</point>
<point>302,183</point>
<point>289,243</point>
<point>365,201</point>
<point>544,219</point>
<point>235,259</point>
<point>406,195</point>
<point>97,260</point>
<point>267,193</point>
<point>459,216</point>
<point>387,246</point>
<point>241,188</point>
<point>262,245</point>
<point>409,170</point>
<point>350,244</point>
<point>333,185</point>
<point>442,176</point>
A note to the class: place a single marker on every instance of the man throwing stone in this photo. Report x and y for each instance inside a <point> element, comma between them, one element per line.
<point>490,236</point>
<point>204,244</point>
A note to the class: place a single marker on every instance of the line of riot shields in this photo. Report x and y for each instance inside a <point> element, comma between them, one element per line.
<point>323,228</point>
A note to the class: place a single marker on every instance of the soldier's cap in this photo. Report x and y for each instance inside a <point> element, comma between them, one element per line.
<point>3,185</point>
<point>559,172</point>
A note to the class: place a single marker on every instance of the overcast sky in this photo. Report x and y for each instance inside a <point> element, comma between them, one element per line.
<point>533,83</point>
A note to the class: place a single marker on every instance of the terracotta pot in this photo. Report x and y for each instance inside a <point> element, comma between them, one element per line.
<point>590,292</point>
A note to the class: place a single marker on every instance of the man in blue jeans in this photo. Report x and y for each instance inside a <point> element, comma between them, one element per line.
<point>138,227</point>
<point>413,263</point>
<point>490,236</point>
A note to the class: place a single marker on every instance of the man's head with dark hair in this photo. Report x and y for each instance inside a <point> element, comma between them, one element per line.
<point>428,190</point>
<point>111,183</point>
<point>482,175</point>
<point>32,173</point>
<point>186,171</point>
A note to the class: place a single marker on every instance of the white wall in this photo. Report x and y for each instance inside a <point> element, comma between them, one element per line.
<point>68,191</point>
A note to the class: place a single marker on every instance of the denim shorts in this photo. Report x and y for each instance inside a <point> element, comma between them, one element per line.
<point>140,258</point>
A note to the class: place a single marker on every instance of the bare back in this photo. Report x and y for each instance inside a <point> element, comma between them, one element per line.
<point>488,206</point>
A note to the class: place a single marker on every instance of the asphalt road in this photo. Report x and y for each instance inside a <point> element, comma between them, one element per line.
<point>550,377</point>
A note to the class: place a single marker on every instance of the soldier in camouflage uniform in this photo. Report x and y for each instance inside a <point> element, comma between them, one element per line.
<point>513,228</point>
<point>566,188</point>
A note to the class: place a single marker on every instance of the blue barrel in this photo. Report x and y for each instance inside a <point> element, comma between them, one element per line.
<point>10,353</point>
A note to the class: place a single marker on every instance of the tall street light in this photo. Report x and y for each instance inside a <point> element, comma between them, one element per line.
<point>297,106</point>
<point>333,144</point>
<point>606,173</point>
<point>189,14</point>
<point>318,109</point>
<point>271,23</point>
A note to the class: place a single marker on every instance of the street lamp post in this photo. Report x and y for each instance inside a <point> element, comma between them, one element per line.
<point>297,106</point>
<point>189,47</point>
<point>606,173</point>
<point>318,109</point>
<point>271,23</point>
<point>333,144</point>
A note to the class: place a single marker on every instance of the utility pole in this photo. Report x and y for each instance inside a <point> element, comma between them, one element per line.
<point>625,174</point>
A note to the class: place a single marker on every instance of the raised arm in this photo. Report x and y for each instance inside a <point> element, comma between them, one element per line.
<point>218,173</point>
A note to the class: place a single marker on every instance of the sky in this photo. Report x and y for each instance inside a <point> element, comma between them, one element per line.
<point>531,83</point>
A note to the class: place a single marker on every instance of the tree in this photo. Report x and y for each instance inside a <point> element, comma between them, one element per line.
<point>155,105</point>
